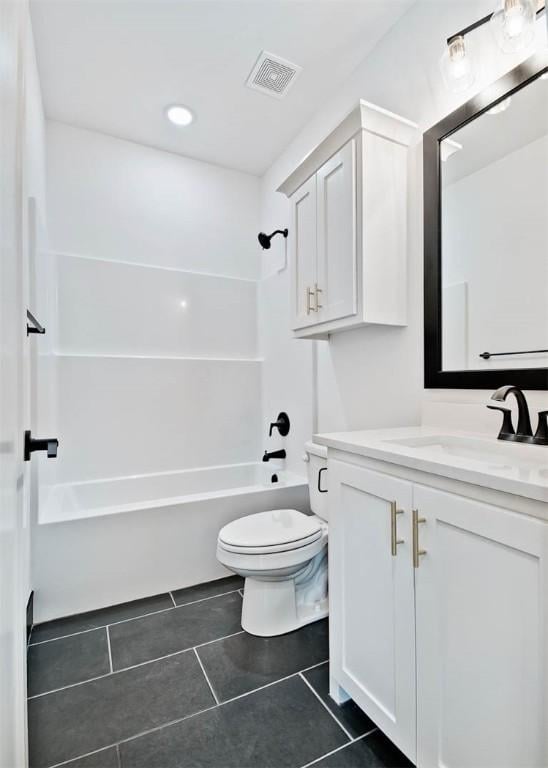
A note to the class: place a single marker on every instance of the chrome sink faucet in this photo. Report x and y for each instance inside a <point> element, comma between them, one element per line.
<point>524,433</point>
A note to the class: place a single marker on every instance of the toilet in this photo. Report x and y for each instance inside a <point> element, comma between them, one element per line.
<point>282,554</point>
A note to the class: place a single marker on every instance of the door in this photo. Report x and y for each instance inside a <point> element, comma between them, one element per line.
<point>372,627</point>
<point>303,307</point>
<point>481,605</point>
<point>14,532</point>
<point>336,287</point>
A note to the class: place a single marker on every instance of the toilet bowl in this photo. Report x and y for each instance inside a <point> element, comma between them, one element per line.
<point>282,554</point>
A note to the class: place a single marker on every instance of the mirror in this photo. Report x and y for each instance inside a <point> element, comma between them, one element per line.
<point>494,229</point>
<point>489,255</point>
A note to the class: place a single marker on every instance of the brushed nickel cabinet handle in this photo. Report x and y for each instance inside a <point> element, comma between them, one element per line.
<point>394,541</point>
<point>417,552</point>
<point>309,294</point>
<point>317,291</point>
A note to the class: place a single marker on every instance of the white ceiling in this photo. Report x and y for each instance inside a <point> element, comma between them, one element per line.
<point>114,65</point>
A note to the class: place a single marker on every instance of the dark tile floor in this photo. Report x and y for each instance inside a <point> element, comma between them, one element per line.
<point>172,681</point>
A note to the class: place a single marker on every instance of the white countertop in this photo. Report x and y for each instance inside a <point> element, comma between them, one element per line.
<point>515,468</point>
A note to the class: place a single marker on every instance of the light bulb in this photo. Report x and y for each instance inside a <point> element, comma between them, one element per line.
<point>513,24</point>
<point>457,66</point>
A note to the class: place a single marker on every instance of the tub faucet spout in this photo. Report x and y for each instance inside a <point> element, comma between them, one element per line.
<point>274,455</point>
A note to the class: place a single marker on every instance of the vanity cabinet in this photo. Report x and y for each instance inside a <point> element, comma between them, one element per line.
<point>438,616</point>
<point>371,593</point>
<point>481,595</point>
<point>348,228</point>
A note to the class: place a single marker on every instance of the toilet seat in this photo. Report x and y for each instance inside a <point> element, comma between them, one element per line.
<point>278,530</point>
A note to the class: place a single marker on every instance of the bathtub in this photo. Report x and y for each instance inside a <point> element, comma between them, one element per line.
<point>102,542</point>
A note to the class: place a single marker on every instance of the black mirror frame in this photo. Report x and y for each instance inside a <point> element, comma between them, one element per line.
<point>434,376</point>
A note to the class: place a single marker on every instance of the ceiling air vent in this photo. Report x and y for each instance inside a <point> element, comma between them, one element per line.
<point>272,75</point>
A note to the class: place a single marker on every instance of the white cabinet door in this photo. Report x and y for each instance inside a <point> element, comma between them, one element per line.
<point>304,255</point>
<point>337,237</point>
<point>372,628</point>
<point>481,618</point>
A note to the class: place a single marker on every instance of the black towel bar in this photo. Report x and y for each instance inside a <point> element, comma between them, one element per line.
<point>35,327</point>
<point>487,355</point>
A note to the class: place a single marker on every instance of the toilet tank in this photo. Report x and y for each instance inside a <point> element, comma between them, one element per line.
<point>316,458</point>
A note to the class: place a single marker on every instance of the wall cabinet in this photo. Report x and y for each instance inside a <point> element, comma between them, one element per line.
<point>349,226</point>
<point>449,657</point>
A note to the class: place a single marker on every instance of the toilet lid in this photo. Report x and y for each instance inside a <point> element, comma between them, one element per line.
<point>277,528</point>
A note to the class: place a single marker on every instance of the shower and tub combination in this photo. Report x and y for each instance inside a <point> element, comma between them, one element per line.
<point>156,402</point>
<point>150,374</point>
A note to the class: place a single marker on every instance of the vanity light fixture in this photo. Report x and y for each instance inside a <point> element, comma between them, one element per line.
<point>513,26</point>
<point>457,65</point>
<point>179,115</point>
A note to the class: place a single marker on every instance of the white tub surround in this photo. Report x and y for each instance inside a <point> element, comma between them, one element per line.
<point>104,542</point>
<point>349,226</point>
<point>438,566</point>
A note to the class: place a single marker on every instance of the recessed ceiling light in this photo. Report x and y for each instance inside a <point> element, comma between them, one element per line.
<point>179,115</point>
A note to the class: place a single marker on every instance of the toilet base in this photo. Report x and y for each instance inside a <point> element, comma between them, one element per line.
<point>275,607</point>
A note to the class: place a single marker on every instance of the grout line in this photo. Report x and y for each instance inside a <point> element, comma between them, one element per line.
<point>324,705</point>
<point>313,666</point>
<point>72,685</point>
<point>132,738</point>
<point>338,749</point>
<point>194,714</point>
<point>206,677</point>
<point>202,599</point>
<point>173,600</point>
<point>133,666</point>
<point>110,674</point>
<point>72,634</point>
<point>268,685</point>
<point>109,650</point>
<point>168,656</point>
<point>118,756</point>
<point>134,618</point>
<point>218,639</point>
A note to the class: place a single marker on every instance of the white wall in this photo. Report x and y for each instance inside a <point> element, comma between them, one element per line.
<point>501,255</point>
<point>146,206</point>
<point>374,376</point>
<point>154,361</point>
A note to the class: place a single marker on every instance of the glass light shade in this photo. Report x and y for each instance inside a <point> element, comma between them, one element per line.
<point>457,66</point>
<point>513,25</point>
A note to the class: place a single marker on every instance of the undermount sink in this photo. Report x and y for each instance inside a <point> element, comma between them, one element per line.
<point>491,452</point>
